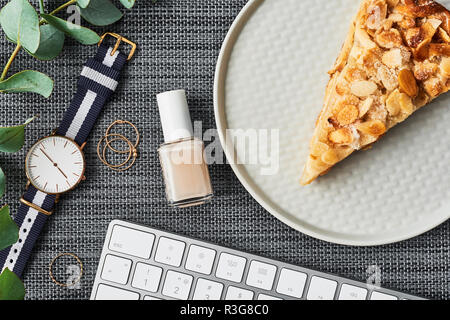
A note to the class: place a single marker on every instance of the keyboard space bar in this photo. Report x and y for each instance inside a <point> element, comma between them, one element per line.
<point>105,292</point>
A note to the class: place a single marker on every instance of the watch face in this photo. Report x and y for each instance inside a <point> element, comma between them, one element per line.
<point>55,165</point>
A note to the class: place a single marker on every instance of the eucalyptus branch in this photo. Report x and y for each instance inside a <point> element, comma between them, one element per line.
<point>65,5</point>
<point>18,46</point>
<point>10,61</point>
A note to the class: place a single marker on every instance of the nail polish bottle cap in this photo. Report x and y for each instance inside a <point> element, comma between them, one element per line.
<point>175,118</point>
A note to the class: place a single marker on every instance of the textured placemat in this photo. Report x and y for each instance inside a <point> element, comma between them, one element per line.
<point>179,42</point>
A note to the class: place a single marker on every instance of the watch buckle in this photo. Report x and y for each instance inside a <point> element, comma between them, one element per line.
<point>119,40</point>
<point>35,207</point>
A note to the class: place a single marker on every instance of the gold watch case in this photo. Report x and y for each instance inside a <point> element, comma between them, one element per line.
<point>82,176</point>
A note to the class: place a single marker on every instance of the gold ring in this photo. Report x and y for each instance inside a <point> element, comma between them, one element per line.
<point>132,153</point>
<point>119,122</point>
<point>50,269</point>
<point>102,155</point>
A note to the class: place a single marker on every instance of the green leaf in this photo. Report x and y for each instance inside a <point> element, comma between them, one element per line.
<point>83,3</point>
<point>28,81</point>
<point>2,183</point>
<point>51,45</point>
<point>8,229</point>
<point>12,138</point>
<point>128,3</point>
<point>81,34</point>
<point>20,22</point>
<point>101,13</point>
<point>11,287</point>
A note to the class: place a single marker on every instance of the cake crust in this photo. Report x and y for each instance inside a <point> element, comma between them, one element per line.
<point>395,60</point>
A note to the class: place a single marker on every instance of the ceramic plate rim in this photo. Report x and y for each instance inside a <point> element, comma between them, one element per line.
<point>240,171</point>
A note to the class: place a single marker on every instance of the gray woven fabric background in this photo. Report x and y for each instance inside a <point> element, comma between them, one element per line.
<point>179,41</point>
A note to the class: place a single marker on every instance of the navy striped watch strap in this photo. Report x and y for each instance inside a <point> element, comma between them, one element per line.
<point>30,223</point>
<point>98,81</point>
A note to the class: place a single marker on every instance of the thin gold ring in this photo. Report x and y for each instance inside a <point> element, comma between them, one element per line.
<point>119,122</point>
<point>102,155</point>
<point>132,153</point>
<point>50,269</point>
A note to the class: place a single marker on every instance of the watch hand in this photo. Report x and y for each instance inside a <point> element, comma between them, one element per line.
<point>54,163</point>
<point>47,156</point>
<point>62,172</point>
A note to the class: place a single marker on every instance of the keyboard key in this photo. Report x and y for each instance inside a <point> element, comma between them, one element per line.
<point>131,242</point>
<point>105,292</point>
<point>170,252</point>
<point>382,296</point>
<point>234,293</point>
<point>151,298</point>
<point>231,267</point>
<point>177,285</point>
<point>147,277</point>
<point>200,259</point>
<point>321,289</point>
<point>261,275</point>
<point>349,292</point>
<point>267,297</point>
<point>208,290</point>
<point>292,283</point>
<point>116,269</point>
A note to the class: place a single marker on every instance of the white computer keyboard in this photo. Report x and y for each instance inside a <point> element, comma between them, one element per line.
<point>141,263</point>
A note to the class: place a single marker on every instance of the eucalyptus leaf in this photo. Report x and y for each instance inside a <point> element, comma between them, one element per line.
<point>51,44</point>
<point>101,13</point>
<point>28,81</point>
<point>12,138</point>
<point>8,229</point>
<point>11,287</point>
<point>128,3</point>
<point>20,23</point>
<point>81,34</point>
<point>83,3</point>
<point>2,183</point>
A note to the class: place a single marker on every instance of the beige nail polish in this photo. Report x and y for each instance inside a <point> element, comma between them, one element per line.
<point>185,171</point>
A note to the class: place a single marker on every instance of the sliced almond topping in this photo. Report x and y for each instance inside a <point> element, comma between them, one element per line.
<point>330,157</point>
<point>365,107</point>
<point>395,17</point>
<point>406,104</point>
<point>376,15</point>
<point>374,128</point>
<point>393,58</point>
<point>388,78</point>
<point>433,87</point>
<point>393,103</point>
<point>439,49</point>
<point>408,83</point>
<point>445,66</point>
<point>424,70</point>
<point>319,148</point>
<point>341,136</point>
<point>444,35</point>
<point>435,23</point>
<point>347,115</point>
<point>364,39</point>
<point>363,88</point>
<point>407,22</point>
<point>389,39</point>
<point>318,165</point>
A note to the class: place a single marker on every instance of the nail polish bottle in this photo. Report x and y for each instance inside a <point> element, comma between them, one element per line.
<point>184,168</point>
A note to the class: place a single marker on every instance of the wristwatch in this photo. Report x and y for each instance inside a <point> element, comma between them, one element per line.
<point>56,164</point>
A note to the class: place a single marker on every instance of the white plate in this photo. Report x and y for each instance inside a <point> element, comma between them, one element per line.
<point>271,74</point>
